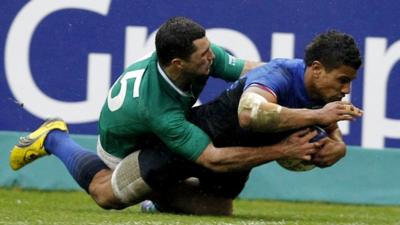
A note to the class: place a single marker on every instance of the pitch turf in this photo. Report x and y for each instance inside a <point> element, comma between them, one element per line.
<point>19,207</point>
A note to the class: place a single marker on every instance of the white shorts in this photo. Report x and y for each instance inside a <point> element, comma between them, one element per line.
<point>110,160</point>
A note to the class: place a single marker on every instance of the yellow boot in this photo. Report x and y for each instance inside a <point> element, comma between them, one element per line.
<point>31,147</point>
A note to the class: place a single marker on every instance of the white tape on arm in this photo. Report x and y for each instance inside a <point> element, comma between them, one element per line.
<point>264,115</point>
<point>255,101</point>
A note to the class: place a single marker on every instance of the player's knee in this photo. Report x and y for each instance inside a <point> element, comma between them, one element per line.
<point>101,191</point>
<point>101,201</point>
<point>105,198</point>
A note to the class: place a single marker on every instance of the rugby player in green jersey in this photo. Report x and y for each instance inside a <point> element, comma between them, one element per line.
<point>147,149</point>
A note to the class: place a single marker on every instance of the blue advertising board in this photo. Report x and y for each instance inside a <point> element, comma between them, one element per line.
<point>59,58</point>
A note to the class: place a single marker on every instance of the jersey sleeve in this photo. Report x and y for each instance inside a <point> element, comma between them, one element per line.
<point>270,77</point>
<point>181,136</point>
<point>225,66</point>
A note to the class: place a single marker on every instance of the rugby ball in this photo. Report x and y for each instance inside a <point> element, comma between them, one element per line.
<point>300,165</point>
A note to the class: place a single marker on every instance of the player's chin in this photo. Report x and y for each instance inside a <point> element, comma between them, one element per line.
<point>334,99</point>
<point>205,72</point>
<point>208,69</point>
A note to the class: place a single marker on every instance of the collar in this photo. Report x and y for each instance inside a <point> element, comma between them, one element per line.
<point>161,71</point>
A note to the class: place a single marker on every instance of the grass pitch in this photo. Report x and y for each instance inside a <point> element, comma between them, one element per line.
<point>20,207</point>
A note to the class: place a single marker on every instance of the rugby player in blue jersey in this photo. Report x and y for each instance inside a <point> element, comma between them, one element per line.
<point>288,94</point>
<point>148,150</point>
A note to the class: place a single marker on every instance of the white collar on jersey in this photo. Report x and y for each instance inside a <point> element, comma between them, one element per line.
<point>185,94</point>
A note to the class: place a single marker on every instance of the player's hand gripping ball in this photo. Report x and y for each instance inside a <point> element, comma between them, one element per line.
<point>301,165</point>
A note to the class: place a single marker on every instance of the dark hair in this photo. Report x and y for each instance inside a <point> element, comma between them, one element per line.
<point>333,49</point>
<point>175,39</point>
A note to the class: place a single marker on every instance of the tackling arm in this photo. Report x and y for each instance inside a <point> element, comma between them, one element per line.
<point>189,141</point>
<point>227,159</point>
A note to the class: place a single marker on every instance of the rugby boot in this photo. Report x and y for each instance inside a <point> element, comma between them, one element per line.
<point>31,147</point>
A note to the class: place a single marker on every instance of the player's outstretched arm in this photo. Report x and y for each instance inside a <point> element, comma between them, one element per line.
<point>227,159</point>
<point>258,110</point>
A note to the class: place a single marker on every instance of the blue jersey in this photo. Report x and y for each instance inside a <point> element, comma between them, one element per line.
<point>284,78</point>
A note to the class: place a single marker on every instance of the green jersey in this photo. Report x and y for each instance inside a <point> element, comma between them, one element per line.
<point>143,103</point>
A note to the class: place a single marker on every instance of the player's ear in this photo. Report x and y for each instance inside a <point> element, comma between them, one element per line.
<point>177,62</point>
<point>317,67</point>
